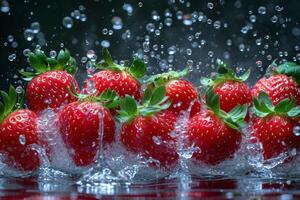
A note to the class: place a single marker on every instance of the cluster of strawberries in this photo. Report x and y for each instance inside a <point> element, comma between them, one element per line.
<point>148,115</point>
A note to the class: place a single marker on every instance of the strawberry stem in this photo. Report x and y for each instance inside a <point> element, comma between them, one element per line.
<point>162,79</point>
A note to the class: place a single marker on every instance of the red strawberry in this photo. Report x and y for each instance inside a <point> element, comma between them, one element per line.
<point>283,83</point>
<point>232,89</point>
<point>18,131</point>
<point>146,129</point>
<point>79,126</point>
<point>50,86</point>
<point>216,132</point>
<point>180,92</point>
<point>274,125</point>
<point>121,79</point>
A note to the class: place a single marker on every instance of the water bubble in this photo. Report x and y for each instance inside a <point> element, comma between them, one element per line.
<point>259,63</point>
<point>35,27</point>
<point>126,35</point>
<point>157,140</point>
<point>229,42</point>
<point>76,14</point>
<point>83,59</point>
<point>258,41</point>
<point>296,31</point>
<point>140,4</point>
<point>210,5</point>
<point>81,7</point>
<point>19,89</point>
<point>187,19</point>
<point>168,21</point>
<point>242,47</point>
<point>105,31</point>
<point>12,57</point>
<point>172,50</point>
<point>14,44</point>
<point>245,29</point>
<point>52,54</point>
<point>128,8</point>
<point>150,27</point>
<point>189,52</point>
<point>67,22</point>
<point>10,38</point>
<point>217,24</point>
<point>22,139</point>
<point>262,10</point>
<point>190,64</point>
<point>210,53</point>
<point>274,19</point>
<point>4,6</point>
<point>155,16</point>
<point>278,8</point>
<point>105,43</point>
<point>26,52</point>
<point>179,15</point>
<point>296,130</point>
<point>146,47</point>
<point>238,4</point>
<point>252,18</point>
<point>83,17</point>
<point>117,23</point>
<point>28,34</point>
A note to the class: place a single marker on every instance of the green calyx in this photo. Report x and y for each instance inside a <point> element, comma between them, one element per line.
<point>264,107</point>
<point>107,98</point>
<point>224,74</point>
<point>11,101</point>
<point>137,69</point>
<point>162,79</point>
<point>154,100</point>
<point>234,119</point>
<point>41,63</point>
<point>287,68</point>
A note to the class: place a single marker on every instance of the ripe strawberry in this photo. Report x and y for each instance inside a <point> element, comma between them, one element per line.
<point>180,92</point>
<point>216,132</point>
<point>48,87</point>
<point>18,131</point>
<point>81,123</point>
<point>283,83</point>
<point>274,125</point>
<point>121,79</point>
<point>146,129</point>
<point>232,89</point>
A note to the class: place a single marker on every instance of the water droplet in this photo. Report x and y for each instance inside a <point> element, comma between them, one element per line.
<point>83,59</point>
<point>10,38</point>
<point>128,8</point>
<point>105,43</point>
<point>179,15</point>
<point>172,50</point>
<point>117,23</point>
<point>83,17</point>
<point>12,57</point>
<point>76,14</point>
<point>296,130</point>
<point>210,5</point>
<point>26,52</point>
<point>140,4</point>
<point>35,27</point>
<point>52,54</point>
<point>210,53</point>
<point>252,18</point>
<point>274,19</point>
<point>91,55</point>
<point>4,6</point>
<point>157,140</point>
<point>217,24</point>
<point>296,31</point>
<point>150,27</point>
<point>14,44</point>
<point>155,16</point>
<point>67,22</point>
<point>168,21</point>
<point>189,52</point>
<point>28,34</point>
<point>22,139</point>
<point>19,89</point>
<point>187,19</point>
<point>262,10</point>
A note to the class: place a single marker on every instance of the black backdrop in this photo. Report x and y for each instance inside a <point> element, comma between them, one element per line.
<point>49,13</point>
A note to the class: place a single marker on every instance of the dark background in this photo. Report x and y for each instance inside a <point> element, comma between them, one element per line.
<point>279,39</point>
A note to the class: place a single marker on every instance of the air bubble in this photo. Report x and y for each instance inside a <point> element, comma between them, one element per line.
<point>12,57</point>
<point>217,24</point>
<point>252,18</point>
<point>105,43</point>
<point>19,89</point>
<point>117,23</point>
<point>171,50</point>
<point>210,5</point>
<point>26,52</point>
<point>10,38</point>
<point>4,6</point>
<point>155,15</point>
<point>296,130</point>
<point>22,139</point>
<point>28,34</point>
<point>262,10</point>
<point>67,22</point>
<point>83,17</point>
<point>187,20</point>
<point>35,27</point>
<point>157,140</point>
<point>150,27</point>
<point>168,21</point>
<point>128,8</point>
<point>189,52</point>
<point>52,54</point>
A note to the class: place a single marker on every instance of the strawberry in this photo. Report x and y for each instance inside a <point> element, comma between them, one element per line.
<point>80,125</point>
<point>146,128</point>
<point>283,82</point>
<point>273,126</point>
<point>216,132</point>
<point>48,85</point>
<point>18,131</point>
<point>121,79</point>
<point>180,92</point>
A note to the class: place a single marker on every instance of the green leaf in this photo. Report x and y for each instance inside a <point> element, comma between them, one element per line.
<point>266,102</point>
<point>285,105</point>
<point>61,57</point>
<point>213,101</point>
<point>12,96</point>
<point>158,95</point>
<point>106,56</point>
<point>27,74</point>
<point>294,112</point>
<point>289,69</point>
<point>147,95</point>
<point>138,69</point>
<point>38,61</point>
<point>129,105</point>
